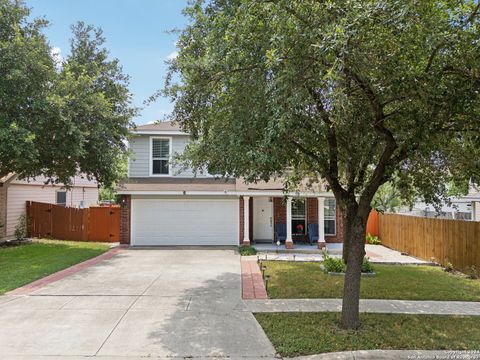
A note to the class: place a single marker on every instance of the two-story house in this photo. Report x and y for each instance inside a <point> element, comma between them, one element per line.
<point>164,204</point>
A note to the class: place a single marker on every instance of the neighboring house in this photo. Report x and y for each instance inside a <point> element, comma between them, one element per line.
<point>14,193</point>
<point>166,204</point>
<point>461,208</point>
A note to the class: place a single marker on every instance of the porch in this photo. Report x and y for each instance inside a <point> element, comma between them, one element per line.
<point>378,254</point>
<point>302,222</point>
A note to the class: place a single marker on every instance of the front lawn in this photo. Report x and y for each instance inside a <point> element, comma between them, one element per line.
<point>294,334</point>
<point>20,265</point>
<point>295,280</point>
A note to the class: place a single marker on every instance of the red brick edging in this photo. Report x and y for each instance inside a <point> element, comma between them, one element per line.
<point>33,286</point>
<point>253,286</point>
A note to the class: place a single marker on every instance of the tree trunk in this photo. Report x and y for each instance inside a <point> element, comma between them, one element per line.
<point>355,227</point>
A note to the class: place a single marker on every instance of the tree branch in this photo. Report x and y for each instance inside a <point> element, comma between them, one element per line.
<point>444,41</point>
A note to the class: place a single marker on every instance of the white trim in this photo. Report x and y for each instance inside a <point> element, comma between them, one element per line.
<point>223,193</point>
<point>246,219</point>
<point>159,132</point>
<point>334,219</point>
<point>289,220</point>
<point>321,219</point>
<point>150,163</point>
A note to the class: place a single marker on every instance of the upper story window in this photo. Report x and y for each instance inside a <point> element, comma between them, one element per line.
<point>330,217</point>
<point>160,156</point>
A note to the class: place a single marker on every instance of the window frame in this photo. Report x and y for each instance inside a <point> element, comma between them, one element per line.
<point>304,218</point>
<point>329,217</point>
<point>150,163</point>
<point>56,198</point>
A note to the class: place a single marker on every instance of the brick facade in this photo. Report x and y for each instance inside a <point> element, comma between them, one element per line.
<point>125,212</point>
<point>280,216</point>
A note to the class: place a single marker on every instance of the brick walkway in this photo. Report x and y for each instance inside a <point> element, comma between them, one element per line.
<point>252,281</point>
<point>33,286</point>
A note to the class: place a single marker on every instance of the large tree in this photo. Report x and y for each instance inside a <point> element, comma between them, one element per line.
<point>350,92</point>
<point>59,118</point>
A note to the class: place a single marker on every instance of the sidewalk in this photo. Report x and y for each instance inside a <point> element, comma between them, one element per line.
<point>366,305</point>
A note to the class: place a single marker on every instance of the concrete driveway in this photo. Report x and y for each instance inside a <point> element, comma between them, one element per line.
<point>140,303</point>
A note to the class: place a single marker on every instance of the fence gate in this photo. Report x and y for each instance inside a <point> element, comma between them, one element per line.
<point>104,224</point>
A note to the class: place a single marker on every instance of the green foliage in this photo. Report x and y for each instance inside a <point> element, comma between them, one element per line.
<point>367,267</point>
<point>373,240</point>
<point>335,265</point>
<point>353,93</point>
<point>59,118</point>
<point>388,198</point>
<point>271,85</point>
<point>449,267</point>
<point>472,272</point>
<point>331,264</point>
<point>246,250</point>
<point>21,230</point>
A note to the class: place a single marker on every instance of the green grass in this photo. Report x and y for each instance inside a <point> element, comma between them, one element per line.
<point>20,265</point>
<point>292,280</point>
<point>313,333</point>
<point>246,250</point>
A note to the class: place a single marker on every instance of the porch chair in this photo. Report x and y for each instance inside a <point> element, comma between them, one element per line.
<point>313,233</point>
<point>280,232</point>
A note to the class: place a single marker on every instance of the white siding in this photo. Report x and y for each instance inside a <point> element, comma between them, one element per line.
<point>139,162</point>
<point>19,193</point>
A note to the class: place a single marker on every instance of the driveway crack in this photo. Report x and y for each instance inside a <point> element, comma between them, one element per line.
<point>125,313</point>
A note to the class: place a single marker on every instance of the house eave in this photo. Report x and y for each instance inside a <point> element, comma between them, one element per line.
<point>224,193</point>
<point>158,132</point>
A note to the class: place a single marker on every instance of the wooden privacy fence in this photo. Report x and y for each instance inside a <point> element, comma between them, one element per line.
<point>454,241</point>
<point>100,224</point>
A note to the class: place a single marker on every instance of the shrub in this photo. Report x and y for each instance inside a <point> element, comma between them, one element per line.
<point>332,264</point>
<point>472,272</point>
<point>449,267</point>
<point>367,266</point>
<point>337,265</point>
<point>373,240</point>
<point>246,250</point>
<point>21,230</point>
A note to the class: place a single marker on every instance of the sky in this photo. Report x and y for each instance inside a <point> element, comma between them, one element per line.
<point>136,33</point>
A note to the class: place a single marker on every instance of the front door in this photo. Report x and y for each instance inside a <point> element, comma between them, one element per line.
<point>262,218</point>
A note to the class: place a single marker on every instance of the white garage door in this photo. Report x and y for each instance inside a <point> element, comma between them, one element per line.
<point>184,222</point>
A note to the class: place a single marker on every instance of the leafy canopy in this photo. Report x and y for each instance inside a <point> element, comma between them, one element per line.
<point>350,91</point>
<point>58,119</point>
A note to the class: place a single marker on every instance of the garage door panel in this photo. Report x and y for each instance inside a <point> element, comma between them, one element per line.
<point>184,222</point>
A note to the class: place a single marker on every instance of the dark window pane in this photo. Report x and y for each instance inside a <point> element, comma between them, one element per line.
<point>62,198</point>
<point>298,227</point>
<point>160,167</point>
<point>330,227</point>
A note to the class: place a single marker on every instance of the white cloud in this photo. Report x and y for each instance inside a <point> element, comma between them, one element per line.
<point>56,53</point>
<point>172,55</point>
